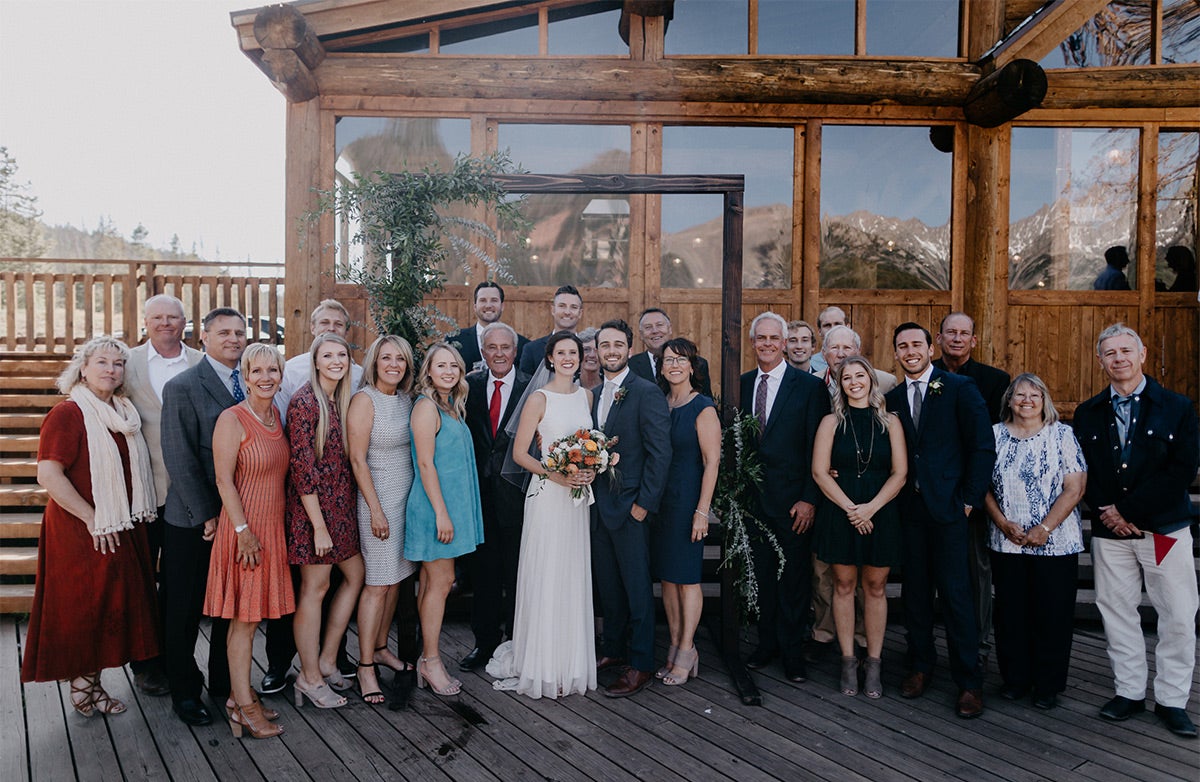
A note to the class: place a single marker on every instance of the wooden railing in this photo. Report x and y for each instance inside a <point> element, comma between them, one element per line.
<point>54,305</point>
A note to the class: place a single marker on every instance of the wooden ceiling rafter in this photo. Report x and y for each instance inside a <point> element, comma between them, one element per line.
<point>1041,33</point>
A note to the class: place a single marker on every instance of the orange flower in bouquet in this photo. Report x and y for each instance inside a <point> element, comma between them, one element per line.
<point>585,449</point>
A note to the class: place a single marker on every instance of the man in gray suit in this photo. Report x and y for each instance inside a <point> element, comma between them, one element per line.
<point>192,401</point>
<point>150,366</point>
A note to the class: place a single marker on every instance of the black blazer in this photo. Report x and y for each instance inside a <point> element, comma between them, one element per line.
<point>467,342</point>
<point>489,450</point>
<point>953,452</point>
<point>992,382</point>
<point>643,423</point>
<point>639,364</point>
<point>1152,491</point>
<point>785,446</point>
<point>532,354</point>
<point>192,402</point>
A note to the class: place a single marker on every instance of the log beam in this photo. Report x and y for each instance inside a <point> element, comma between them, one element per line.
<point>1045,30</point>
<point>839,80</point>
<point>290,51</point>
<point>1136,86</point>
<point>1005,94</point>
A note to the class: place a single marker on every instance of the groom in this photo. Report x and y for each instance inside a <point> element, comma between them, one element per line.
<point>633,409</point>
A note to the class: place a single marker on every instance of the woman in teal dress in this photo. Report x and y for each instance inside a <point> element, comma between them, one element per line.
<point>858,527</point>
<point>443,517</point>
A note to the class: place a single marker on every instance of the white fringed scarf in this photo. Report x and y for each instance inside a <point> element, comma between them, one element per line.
<point>114,512</point>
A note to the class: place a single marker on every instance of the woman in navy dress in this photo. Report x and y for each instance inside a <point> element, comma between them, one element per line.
<point>858,528</point>
<point>677,540</point>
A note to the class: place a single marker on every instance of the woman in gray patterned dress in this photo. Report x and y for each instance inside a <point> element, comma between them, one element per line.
<point>380,453</point>
<point>1035,541</point>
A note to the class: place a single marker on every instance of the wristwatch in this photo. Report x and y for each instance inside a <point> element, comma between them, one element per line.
<point>239,529</point>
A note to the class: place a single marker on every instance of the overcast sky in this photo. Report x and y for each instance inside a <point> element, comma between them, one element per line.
<point>145,111</point>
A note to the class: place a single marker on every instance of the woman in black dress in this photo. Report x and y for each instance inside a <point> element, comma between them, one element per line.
<point>677,539</point>
<point>860,463</point>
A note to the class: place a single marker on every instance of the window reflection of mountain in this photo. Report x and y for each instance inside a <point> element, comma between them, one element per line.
<point>865,250</point>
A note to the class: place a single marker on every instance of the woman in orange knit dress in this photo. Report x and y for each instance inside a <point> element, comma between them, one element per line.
<point>248,575</point>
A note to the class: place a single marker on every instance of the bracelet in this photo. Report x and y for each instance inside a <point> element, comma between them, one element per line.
<point>239,529</point>
<point>702,513</point>
<point>1043,526</point>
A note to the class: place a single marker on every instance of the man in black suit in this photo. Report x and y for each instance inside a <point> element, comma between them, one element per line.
<point>489,307</point>
<point>491,398</point>
<point>192,401</point>
<point>956,338</point>
<point>1141,444</point>
<point>654,327</point>
<point>951,451</point>
<point>789,405</point>
<point>566,310</point>
<point>633,409</point>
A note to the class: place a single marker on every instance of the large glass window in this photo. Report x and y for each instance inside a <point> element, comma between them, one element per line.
<point>806,27</point>
<point>1073,195</point>
<point>1178,182</point>
<point>885,208</point>
<point>518,35</point>
<point>1181,31</point>
<point>576,239</point>
<point>1121,34</point>
<point>927,28</point>
<point>586,29</point>
<point>692,226</point>
<point>365,145</point>
<point>708,27</point>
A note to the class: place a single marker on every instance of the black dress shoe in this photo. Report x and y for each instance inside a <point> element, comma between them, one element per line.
<point>606,663</point>
<point>152,682</point>
<point>1011,693</point>
<point>273,681</point>
<point>794,670</point>
<point>1176,720</point>
<point>1045,702</point>
<point>476,659</point>
<point>347,667</point>
<point>193,712</point>
<point>1121,708</point>
<point>760,658</point>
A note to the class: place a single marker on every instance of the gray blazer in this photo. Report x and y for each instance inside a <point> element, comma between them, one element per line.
<point>192,401</point>
<point>141,393</point>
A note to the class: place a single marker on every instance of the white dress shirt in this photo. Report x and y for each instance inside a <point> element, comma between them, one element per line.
<point>506,388</point>
<point>774,380</point>
<point>161,369</point>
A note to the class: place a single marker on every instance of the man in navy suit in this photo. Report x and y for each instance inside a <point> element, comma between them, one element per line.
<point>789,405</point>
<point>492,396</point>
<point>566,310</point>
<point>1141,442</point>
<point>633,409</point>
<point>951,452</point>
<point>192,401</point>
<point>489,307</point>
<point>654,327</point>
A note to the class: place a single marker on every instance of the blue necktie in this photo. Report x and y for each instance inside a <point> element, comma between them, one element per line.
<point>238,394</point>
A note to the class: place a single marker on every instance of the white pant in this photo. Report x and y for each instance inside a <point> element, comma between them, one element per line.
<point>1120,567</point>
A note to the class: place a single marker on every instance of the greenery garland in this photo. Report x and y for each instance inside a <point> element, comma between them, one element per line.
<point>737,486</point>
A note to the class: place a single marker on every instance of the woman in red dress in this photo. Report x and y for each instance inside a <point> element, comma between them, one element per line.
<point>94,606</point>
<point>322,519</point>
<point>248,575</point>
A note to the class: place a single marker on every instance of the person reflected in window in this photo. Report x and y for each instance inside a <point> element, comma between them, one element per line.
<point>1113,277</point>
<point>1181,261</point>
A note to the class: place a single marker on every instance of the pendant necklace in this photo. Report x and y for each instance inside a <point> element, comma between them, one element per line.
<point>861,464</point>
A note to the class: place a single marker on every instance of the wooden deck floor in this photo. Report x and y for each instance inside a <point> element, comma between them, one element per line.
<point>697,732</point>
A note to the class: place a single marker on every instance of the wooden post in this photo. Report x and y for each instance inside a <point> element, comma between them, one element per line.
<point>1006,94</point>
<point>302,238</point>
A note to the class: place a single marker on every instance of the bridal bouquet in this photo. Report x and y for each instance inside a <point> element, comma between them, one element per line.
<point>585,449</point>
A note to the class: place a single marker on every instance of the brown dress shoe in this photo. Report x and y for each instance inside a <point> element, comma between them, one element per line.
<point>604,663</point>
<point>914,684</point>
<point>970,704</point>
<point>632,681</point>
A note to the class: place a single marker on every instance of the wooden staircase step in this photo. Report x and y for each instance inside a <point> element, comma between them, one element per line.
<point>15,363</point>
<point>15,467</point>
<point>23,495</point>
<point>41,402</point>
<point>21,383</point>
<point>16,598</point>
<point>14,422</point>
<point>20,526</point>
<point>19,443</point>
<point>18,561</point>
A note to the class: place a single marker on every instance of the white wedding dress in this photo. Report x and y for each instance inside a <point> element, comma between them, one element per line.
<point>553,649</point>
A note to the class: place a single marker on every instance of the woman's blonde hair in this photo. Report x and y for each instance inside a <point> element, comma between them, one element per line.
<point>875,398</point>
<point>257,350</point>
<point>371,374</point>
<point>340,397</point>
<point>456,405</point>
<point>73,374</point>
<point>1049,412</point>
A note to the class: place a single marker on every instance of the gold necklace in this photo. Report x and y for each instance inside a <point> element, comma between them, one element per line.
<point>269,422</point>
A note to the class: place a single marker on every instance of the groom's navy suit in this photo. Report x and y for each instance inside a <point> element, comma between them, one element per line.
<point>784,451</point>
<point>950,459</point>
<point>620,543</point>
<point>494,562</point>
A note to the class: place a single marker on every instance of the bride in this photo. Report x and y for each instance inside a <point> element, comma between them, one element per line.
<point>553,649</point>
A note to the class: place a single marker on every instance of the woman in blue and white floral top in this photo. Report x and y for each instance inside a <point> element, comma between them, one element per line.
<point>1035,541</point>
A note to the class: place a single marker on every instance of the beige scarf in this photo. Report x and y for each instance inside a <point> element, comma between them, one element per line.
<point>113,510</point>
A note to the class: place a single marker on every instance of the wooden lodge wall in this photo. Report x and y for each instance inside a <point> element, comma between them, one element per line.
<point>1051,333</point>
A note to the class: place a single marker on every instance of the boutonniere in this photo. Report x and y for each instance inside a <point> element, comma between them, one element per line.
<point>620,394</point>
<point>935,387</point>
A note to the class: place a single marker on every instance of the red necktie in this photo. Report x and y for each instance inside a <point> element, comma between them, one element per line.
<point>494,408</point>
